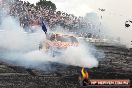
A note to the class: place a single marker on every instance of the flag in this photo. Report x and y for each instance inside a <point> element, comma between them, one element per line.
<point>44,27</point>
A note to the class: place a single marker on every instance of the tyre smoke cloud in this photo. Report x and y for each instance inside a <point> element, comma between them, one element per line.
<point>116,13</point>
<point>21,48</point>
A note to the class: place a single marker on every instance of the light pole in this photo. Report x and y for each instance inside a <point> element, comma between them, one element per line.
<point>100,19</point>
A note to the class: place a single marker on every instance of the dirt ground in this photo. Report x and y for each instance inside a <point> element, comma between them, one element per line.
<point>117,64</point>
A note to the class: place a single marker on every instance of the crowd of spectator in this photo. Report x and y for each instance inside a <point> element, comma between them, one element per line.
<point>31,15</point>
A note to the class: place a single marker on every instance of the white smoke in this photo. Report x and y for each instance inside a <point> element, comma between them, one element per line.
<point>23,48</point>
<point>15,43</point>
<point>116,13</point>
<point>79,56</point>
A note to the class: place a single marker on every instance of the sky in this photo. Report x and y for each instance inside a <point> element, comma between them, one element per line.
<point>75,7</point>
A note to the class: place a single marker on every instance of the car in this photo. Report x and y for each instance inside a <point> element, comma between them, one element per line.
<point>57,43</point>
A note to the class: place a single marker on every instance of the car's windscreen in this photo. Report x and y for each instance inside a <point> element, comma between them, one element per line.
<point>66,39</point>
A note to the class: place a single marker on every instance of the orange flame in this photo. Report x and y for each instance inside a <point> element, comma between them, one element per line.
<point>84,73</point>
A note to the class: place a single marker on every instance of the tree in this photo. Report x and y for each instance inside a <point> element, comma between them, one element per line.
<point>48,4</point>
